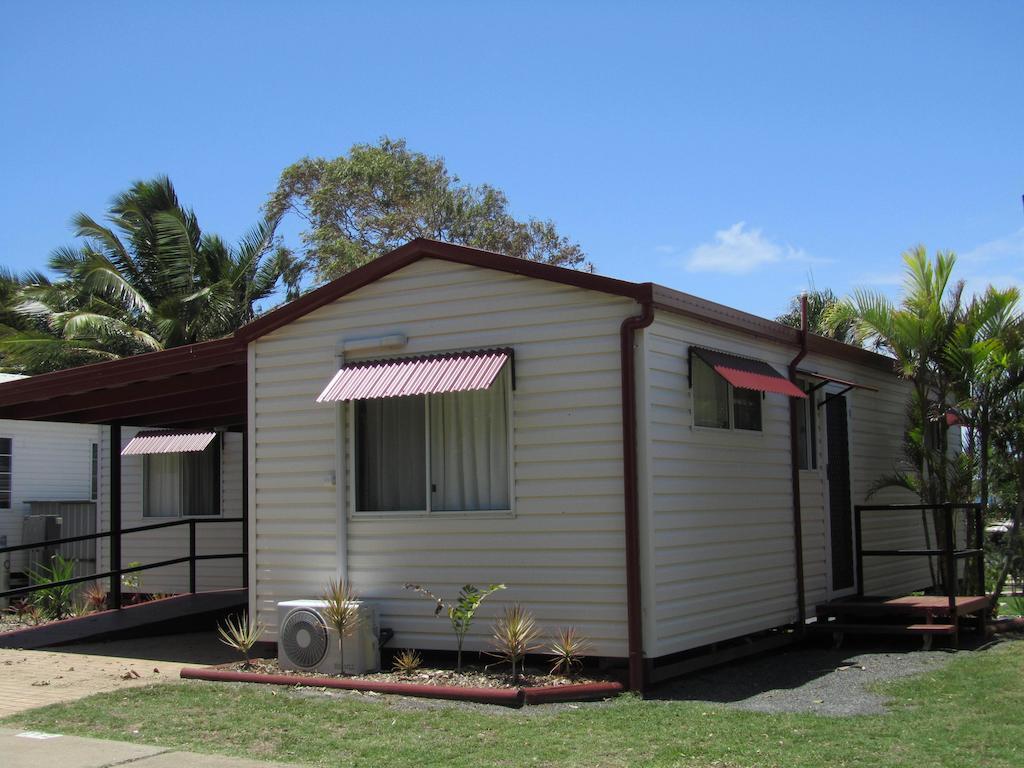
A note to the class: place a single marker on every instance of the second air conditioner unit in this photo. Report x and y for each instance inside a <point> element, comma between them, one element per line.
<point>307,642</point>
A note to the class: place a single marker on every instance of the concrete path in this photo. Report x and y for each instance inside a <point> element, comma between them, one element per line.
<point>32,749</point>
<point>30,679</point>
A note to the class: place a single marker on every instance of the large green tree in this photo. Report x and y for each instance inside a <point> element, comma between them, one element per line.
<point>377,197</point>
<point>152,279</point>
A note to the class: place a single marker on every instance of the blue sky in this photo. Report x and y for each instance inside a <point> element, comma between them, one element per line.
<point>732,150</point>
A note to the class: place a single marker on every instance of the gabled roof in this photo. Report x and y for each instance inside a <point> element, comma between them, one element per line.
<point>421,248</point>
<point>661,297</point>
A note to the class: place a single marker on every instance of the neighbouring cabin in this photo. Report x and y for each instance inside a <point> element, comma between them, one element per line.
<point>163,487</point>
<point>45,469</point>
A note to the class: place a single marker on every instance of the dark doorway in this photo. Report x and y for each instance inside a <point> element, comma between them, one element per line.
<point>840,513</point>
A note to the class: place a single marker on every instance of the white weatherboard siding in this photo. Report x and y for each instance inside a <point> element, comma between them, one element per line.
<point>170,543</point>
<point>51,461</point>
<point>720,560</point>
<point>720,557</point>
<point>561,554</point>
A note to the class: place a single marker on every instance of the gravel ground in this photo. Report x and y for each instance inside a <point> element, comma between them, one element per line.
<point>818,680</point>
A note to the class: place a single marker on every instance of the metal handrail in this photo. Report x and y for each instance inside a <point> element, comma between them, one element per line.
<point>948,549</point>
<point>107,534</point>
<point>192,558</point>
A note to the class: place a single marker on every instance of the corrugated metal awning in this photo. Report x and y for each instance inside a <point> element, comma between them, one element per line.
<point>426,375</point>
<point>744,373</point>
<point>163,441</point>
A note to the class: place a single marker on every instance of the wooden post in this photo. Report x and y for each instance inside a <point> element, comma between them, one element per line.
<point>950,561</point>
<point>192,555</point>
<point>245,509</point>
<point>115,516</point>
<point>858,543</point>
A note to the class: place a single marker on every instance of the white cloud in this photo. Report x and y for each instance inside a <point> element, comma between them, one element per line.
<point>738,251</point>
<point>1010,247</point>
<point>998,262</point>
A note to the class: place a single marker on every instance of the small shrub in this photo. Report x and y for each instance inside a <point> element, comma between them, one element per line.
<point>132,582</point>
<point>241,634</point>
<point>342,612</point>
<point>95,597</point>
<point>461,612</point>
<point>26,611</point>
<point>407,662</point>
<point>54,603</point>
<point>567,651</point>
<point>513,636</point>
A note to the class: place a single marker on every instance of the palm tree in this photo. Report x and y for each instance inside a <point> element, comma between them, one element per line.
<point>819,306</point>
<point>151,279</point>
<point>918,332</point>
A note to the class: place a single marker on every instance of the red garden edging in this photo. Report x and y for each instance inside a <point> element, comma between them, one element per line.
<point>506,697</point>
<point>551,694</point>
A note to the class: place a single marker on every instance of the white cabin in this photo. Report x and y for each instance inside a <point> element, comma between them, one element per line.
<point>619,455</point>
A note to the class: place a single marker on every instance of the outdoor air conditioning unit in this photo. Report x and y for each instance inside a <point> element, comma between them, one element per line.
<point>307,642</point>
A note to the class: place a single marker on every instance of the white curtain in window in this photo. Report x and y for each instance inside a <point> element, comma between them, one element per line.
<point>163,485</point>
<point>390,451</point>
<point>710,396</point>
<point>469,461</point>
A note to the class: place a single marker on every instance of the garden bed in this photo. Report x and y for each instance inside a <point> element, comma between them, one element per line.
<point>475,684</point>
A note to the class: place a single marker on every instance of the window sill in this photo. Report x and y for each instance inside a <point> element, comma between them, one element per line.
<point>726,430</point>
<point>449,515</point>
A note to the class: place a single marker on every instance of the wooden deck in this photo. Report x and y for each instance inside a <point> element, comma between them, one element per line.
<point>926,616</point>
<point>151,616</point>
<point>917,605</point>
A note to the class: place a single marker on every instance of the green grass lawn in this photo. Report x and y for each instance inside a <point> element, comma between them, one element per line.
<point>966,714</point>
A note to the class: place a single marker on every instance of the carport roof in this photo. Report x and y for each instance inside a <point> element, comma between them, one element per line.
<point>198,385</point>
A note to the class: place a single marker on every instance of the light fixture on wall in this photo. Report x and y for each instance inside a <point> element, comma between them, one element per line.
<point>376,344</point>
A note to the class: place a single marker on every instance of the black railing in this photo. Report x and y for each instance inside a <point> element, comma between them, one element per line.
<point>115,574</point>
<point>948,553</point>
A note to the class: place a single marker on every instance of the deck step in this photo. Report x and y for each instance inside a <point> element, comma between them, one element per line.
<point>884,629</point>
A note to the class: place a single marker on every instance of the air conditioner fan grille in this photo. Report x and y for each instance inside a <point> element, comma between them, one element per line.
<point>304,637</point>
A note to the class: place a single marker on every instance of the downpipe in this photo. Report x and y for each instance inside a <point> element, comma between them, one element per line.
<point>634,594</point>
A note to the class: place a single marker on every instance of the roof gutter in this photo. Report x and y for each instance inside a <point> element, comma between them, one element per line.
<point>631,492</point>
<point>794,458</point>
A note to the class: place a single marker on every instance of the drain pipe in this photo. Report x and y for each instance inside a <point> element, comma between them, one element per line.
<point>631,498</point>
<point>794,448</point>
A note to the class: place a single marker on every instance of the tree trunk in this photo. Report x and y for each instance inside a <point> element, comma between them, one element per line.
<point>1011,540</point>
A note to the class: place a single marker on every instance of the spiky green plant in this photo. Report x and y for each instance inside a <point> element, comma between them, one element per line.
<point>407,662</point>
<point>241,634</point>
<point>56,602</point>
<point>461,612</point>
<point>567,651</point>
<point>342,612</point>
<point>513,636</point>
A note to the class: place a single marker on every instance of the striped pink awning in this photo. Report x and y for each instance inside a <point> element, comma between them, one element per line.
<point>164,441</point>
<point>428,375</point>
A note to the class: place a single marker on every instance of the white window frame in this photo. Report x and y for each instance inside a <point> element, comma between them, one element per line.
<point>348,411</point>
<point>10,506</point>
<point>220,489</point>
<point>810,406</point>
<point>732,428</point>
